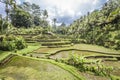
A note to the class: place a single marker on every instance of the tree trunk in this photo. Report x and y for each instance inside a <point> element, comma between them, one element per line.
<point>7,11</point>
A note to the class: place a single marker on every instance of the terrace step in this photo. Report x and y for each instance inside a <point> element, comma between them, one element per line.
<point>7,59</point>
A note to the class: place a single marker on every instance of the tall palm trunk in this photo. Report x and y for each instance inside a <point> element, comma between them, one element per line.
<point>7,10</point>
<point>8,3</point>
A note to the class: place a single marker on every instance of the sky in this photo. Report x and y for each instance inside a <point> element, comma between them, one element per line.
<point>64,10</point>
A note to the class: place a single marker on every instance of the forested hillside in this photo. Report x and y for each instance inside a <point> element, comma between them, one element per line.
<point>37,43</point>
<point>101,27</point>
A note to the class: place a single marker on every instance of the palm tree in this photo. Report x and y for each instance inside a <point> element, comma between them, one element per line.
<point>11,3</point>
<point>8,3</point>
<point>0,16</point>
<point>45,14</point>
<point>54,22</point>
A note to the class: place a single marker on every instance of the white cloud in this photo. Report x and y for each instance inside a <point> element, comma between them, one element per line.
<point>66,10</point>
<point>18,1</point>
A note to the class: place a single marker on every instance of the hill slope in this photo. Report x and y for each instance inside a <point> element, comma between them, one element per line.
<point>101,27</point>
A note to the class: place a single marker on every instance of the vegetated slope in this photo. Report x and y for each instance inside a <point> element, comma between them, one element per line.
<point>101,27</point>
<point>21,68</point>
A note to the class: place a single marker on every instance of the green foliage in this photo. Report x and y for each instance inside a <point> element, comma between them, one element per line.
<point>37,21</point>
<point>81,62</point>
<point>21,18</point>
<point>9,43</point>
<point>77,61</point>
<point>29,15</point>
<point>100,70</point>
<point>117,36</point>
<point>9,4</point>
<point>20,43</point>
<point>3,25</point>
<point>114,77</point>
<point>36,30</point>
<point>95,27</point>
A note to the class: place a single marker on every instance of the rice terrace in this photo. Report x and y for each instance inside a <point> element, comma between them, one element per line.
<point>59,40</point>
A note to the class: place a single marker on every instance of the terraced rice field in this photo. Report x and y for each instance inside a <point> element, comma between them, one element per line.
<point>21,68</point>
<point>67,54</point>
<point>91,52</point>
<point>80,49</point>
<point>24,68</point>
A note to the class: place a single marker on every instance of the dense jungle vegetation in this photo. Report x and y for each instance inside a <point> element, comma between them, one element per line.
<point>33,49</point>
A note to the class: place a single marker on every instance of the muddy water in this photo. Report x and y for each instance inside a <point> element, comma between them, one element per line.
<point>66,54</point>
<point>38,55</point>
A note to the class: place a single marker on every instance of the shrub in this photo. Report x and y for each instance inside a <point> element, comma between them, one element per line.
<point>37,57</point>
<point>24,54</point>
<point>10,42</point>
<point>117,45</point>
<point>77,61</point>
<point>3,25</point>
<point>7,45</point>
<point>117,36</point>
<point>31,55</point>
<point>80,63</point>
<point>20,43</point>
